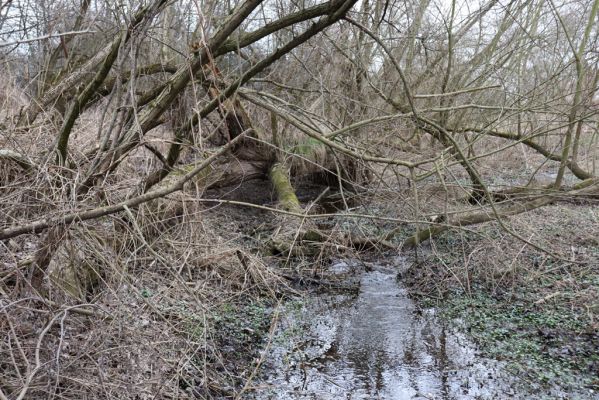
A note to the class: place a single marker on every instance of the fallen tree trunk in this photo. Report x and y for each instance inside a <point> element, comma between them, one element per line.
<point>151,115</point>
<point>17,158</point>
<point>45,223</point>
<point>571,164</point>
<point>588,189</point>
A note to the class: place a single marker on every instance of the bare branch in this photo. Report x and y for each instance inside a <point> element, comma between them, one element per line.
<point>45,37</point>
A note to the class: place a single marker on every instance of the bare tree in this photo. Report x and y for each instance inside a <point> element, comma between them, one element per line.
<point>120,112</point>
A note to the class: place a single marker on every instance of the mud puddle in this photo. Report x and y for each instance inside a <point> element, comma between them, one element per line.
<point>375,344</point>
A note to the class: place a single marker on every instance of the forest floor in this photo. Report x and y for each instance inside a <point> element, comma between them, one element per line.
<point>188,312</point>
<point>532,311</point>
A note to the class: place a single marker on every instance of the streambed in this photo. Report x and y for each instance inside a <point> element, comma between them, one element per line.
<point>373,343</point>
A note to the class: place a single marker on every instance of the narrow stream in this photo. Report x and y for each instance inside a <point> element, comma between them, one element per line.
<point>374,345</point>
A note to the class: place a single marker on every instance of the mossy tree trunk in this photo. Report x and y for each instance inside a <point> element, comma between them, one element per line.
<point>280,179</point>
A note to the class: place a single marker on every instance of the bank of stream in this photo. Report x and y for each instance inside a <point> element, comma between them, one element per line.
<point>366,339</point>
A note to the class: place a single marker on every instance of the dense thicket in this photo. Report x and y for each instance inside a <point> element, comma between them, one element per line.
<point>117,119</point>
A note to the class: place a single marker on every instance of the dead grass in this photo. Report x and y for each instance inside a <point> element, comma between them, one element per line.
<point>142,319</point>
<point>144,328</point>
<point>163,300</point>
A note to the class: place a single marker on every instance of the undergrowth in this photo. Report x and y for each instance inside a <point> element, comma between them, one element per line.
<point>535,311</point>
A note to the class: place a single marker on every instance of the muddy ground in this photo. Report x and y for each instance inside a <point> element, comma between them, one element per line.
<point>533,311</point>
<point>510,320</point>
<point>474,313</point>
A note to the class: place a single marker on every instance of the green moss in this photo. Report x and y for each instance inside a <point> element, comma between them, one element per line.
<point>201,179</point>
<point>279,176</point>
<point>307,148</point>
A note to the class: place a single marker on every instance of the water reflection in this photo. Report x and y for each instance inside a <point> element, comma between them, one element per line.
<point>378,347</point>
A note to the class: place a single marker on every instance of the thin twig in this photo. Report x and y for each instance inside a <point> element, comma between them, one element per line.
<point>44,37</point>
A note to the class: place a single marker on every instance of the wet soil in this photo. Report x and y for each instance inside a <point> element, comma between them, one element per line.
<point>374,345</point>
<point>364,337</point>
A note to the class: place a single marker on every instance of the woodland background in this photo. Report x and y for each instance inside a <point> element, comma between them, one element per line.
<point>164,161</point>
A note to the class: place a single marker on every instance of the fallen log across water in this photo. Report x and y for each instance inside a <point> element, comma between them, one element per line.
<point>588,189</point>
